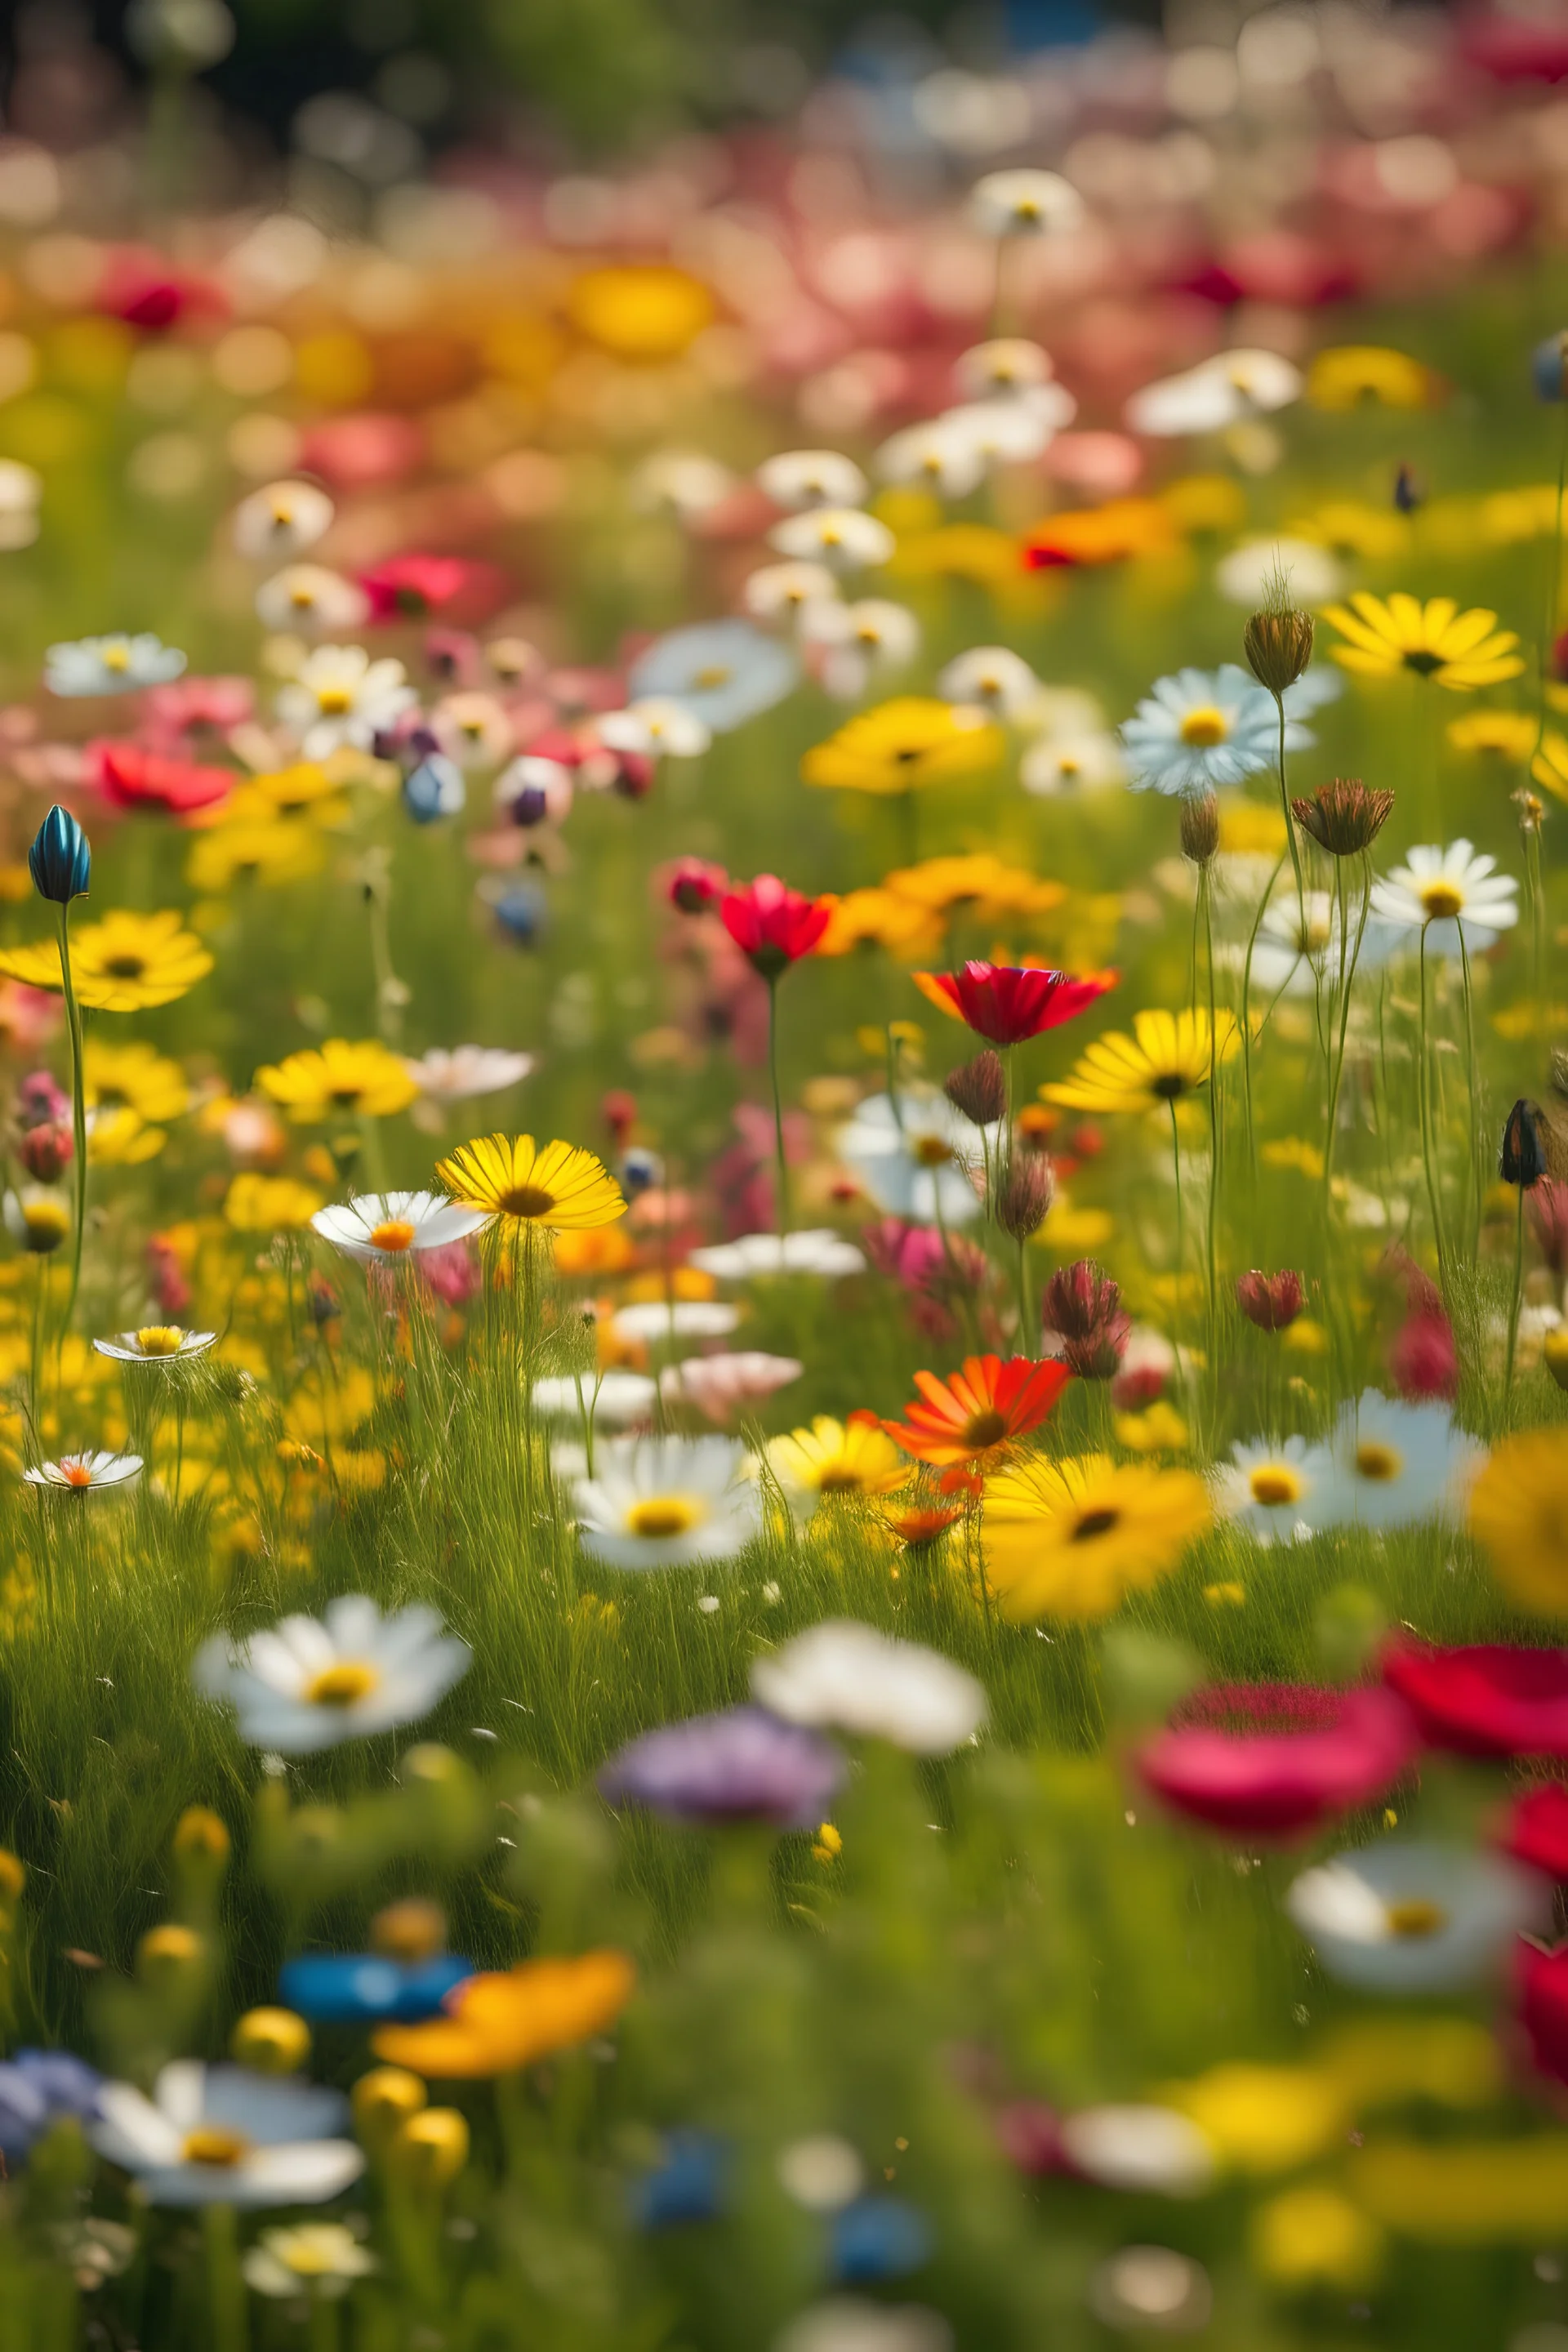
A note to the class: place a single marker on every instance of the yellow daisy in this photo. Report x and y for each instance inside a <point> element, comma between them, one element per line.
<point>1436,640</point>
<point>556,1185</point>
<point>339,1079</point>
<point>981,885</point>
<point>1168,1056</point>
<point>914,739</point>
<point>134,1077</point>
<point>1495,734</point>
<point>1348,527</point>
<point>1073,1538</point>
<point>271,1204</point>
<point>1550,765</point>
<point>838,1457</point>
<point>1354,374</point>
<point>276,850</point>
<point>1519,1513</point>
<point>882,918</point>
<point>126,963</point>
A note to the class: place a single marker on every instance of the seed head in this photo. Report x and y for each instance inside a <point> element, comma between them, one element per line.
<point>1345,818</point>
<point>979,1089</point>
<point>1024,1195</point>
<point>1272,1301</point>
<point>1083,1308</point>
<point>1200,827</point>
<point>1279,643</point>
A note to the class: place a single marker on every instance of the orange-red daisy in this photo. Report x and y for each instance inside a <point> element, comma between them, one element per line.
<point>974,1416</point>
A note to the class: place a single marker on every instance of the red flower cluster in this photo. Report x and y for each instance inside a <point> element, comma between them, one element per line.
<point>132,778</point>
<point>1276,1759</point>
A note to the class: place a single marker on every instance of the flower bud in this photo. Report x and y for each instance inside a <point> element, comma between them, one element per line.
<point>1024,1195</point>
<point>200,1836</point>
<point>41,1101</point>
<point>170,1955</point>
<point>979,1089</point>
<point>59,860</point>
<point>1554,1354</point>
<point>1083,1308</point>
<point>271,2041</point>
<point>1272,1301</point>
<point>430,2149</point>
<point>1279,646</point>
<point>1523,1158</point>
<point>1548,368</point>
<point>1423,1360</point>
<point>1200,827</point>
<point>13,1879</point>
<point>409,1931</point>
<point>383,2102</point>
<point>44,1152</point>
<point>1345,818</point>
<point>696,885</point>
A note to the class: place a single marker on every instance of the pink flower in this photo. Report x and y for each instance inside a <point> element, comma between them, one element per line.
<point>1276,1759</point>
<point>720,1386</point>
<point>452,1272</point>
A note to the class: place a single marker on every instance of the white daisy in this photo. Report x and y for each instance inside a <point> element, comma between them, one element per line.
<point>1139,2149</point>
<point>992,679</point>
<point>1395,1464</point>
<point>1415,1916</point>
<point>656,1319</point>
<point>223,2136</point>
<point>668,1502</point>
<point>936,455</point>
<point>914,1156</point>
<point>339,695</point>
<point>845,1677</point>
<point>309,2258</point>
<point>802,478</point>
<point>1225,390</point>
<point>1054,764</point>
<point>308,598</point>
<point>616,1398</point>
<point>1024,203</point>
<point>1009,363</point>
<point>815,1249</point>
<point>787,591</point>
<point>79,1474</point>
<point>383,1228</point>
<point>110,665</point>
<point>457,1074</point>
<point>685,483</point>
<point>720,1386</point>
<point>855,643</point>
<point>1275,1491</point>
<point>532,791</point>
<point>306,1683</point>
<point>282,519</point>
<point>657,728</point>
<point>1299,942</point>
<point>1012,432</point>
<point>155,1343</point>
<point>1247,574</point>
<point>1450,895</point>
<point>843,537</point>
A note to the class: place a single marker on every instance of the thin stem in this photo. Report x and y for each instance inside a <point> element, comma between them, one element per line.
<point>1246,1014</point>
<point>1475,1176</point>
<point>1214,1121</point>
<point>226,2286</point>
<point>1181,1211</point>
<point>1537,924</point>
<point>1514,1301</point>
<point>1290,823</point>
<point>782,1212</point>
<point>1425,1093</point>
<point>1347,981</point>
<point>79,1109</point>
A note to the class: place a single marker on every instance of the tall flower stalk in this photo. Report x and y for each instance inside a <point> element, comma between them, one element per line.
<point>60,863</point>
<point>774,927</point>
<point>1344,818</point>
<point>1279,645</point>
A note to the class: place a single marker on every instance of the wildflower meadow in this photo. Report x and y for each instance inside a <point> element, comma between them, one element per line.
<point>784,1081</point>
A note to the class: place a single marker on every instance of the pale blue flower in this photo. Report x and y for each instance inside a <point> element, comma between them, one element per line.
<point>110,665</point>
<point>1208,728</point>
<point>723,672</point>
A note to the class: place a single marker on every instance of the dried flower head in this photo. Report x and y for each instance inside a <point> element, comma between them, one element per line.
<point>1083,1309</point>
<point>1024,1195</point>
<point>1278,638</point>
<point>979,1089</point>
<point>1200,827</point>
<point>1272,1301</point>
<point>1345,818</point>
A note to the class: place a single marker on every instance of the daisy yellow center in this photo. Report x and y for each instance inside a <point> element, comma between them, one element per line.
<point>988,1428</point>
<point>1273,1485</point>
<point>341,1684</point>
<point>45,1222</point>
<point>75,1474</point>
<point>159,1339</point>
<point>1441,900</point>
<point>525,1201</point>
<point>211,2144</point>
<point>1169,1086</point>
<point>1422,663</point>
<point>1095,1523</point>
<point>658,1516</point>
<point>395,1234</point>
<point>1203,727</point>
<point>1027,209</point>
<point>332,701</point>
<point>717,674</point>
<point>1379,1463</point>
<point>1415,1916</point>
<point>117,658</point>
<point>932,1151</point>
<point>308,2260</point>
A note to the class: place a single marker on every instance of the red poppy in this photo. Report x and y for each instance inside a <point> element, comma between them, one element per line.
<point>695,885</point>
<point>417,584</point>
<point>1541,1999</point>
<point>1007,1005</point>
<point>1535,1830</point>
<point>1488,1699</point>
<point>973,1415</point>
<point>135,779</point>
<point>773,925</point>
<point>1277,1759</point>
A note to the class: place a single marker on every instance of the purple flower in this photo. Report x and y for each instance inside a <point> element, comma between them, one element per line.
<point>742,1764</point>
<point>36,2088</point>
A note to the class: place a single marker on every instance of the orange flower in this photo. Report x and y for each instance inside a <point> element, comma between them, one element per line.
<point>498,2022</point>
<point>917,1525</point>
<point>974,1416</point>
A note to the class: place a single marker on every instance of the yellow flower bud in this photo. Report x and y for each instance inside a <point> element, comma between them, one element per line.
<point>169,1951</point>
<point>272,2041</point>
<point>384,2100</point>
<point>13,1877</point>
<point>200,1836</point>
<point>431,2149</point>
<point>409,1931</point>
<point>1555,1352</point>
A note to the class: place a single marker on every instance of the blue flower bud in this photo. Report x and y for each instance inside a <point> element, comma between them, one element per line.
<point>1549,367</point>
<point>60,861</point>
<point>434,789</point>
<point>879,2238</point>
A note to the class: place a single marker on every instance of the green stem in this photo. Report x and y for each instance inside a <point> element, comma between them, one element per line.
<point>1514,1301</point>
<point>1347,981</point>
<point>1424,1095</point>
<point>79,1109</point>
<point>1180,1214</point>
<point>225,2285</point>
<point>781,1212</point>
<point>1290,825</point>
<point>1246,1014</point>
<point>1476,1179</point>
<point>324,2332</point>
<point>1214,1123</point>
